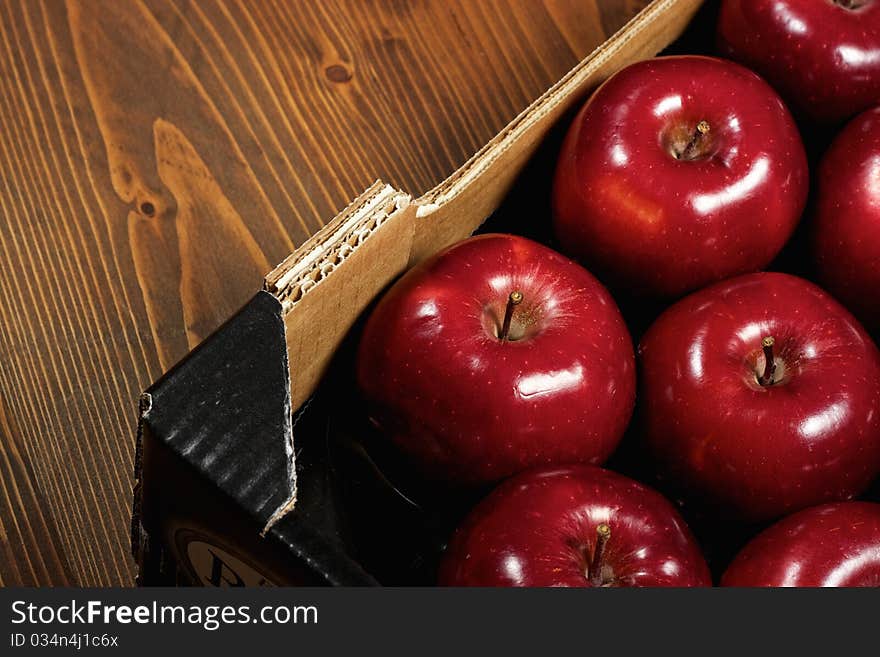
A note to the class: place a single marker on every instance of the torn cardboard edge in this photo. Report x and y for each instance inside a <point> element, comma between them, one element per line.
<point>137,535</point>
<point>289,450</point>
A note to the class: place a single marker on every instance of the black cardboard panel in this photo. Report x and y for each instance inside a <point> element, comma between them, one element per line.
<point>214,467</point>
<point>226,408</point>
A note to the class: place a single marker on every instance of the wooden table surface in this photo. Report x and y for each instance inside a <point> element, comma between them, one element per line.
<point>158,157</point>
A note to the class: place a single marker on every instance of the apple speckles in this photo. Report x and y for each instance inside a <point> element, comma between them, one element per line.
<point>553,380</point>
<point>550,521</point>
<point>774,448</point>
<point>841,46</point>
<point>664,225</point>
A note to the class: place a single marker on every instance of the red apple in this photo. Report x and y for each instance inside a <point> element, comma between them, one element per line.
<point>468,406</point>
<point>679,172</point>
<point>757,440</point>
<point>828,545</point>
<point>822,55</point>
<point>573,526</point>
<point>847,222</point>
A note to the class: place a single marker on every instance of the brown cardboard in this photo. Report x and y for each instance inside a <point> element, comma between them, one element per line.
<point>328,282</point>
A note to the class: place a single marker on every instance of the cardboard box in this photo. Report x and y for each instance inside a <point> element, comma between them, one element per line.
<point>251,466</point>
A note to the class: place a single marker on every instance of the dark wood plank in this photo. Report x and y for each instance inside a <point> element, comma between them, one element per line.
<point>30,554</point>
<point>157,157</point>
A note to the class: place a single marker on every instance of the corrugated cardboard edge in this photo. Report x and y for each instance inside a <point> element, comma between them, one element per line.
<point>373,236</point>
<point>356,254</point>
<point>383,231</point>
<point>326,249</point>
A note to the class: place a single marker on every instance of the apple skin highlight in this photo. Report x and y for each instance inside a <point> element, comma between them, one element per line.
<point>823,56</point>
<point>542,528</point>
<point>677,173</point>
<point>467,407</point>
<point>832,545</point>
<point>846,228</point>
<point>759,451</point>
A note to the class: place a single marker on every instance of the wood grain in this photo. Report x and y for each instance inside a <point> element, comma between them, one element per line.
<point>30,554</point>
<point>157,157</point>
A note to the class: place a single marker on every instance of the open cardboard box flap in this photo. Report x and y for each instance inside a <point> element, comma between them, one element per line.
<point>284,339</point>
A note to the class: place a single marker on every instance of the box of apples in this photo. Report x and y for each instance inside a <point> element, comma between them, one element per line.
<point>629,343</point>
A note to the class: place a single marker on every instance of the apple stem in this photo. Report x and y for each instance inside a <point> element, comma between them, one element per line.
<point>603,534</point>
<point>513,301</point>
<point>769,361</point>
<point>849,4</point>
<point>702,130</point>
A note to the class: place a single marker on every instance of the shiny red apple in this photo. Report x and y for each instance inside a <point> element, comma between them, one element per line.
<point>497,355</point>
<point>573,526</point>
<point>823,56</point>
<point>846,236</point>
<point>761,395</point>
<point>679,172</point>
<point>828,545</point>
